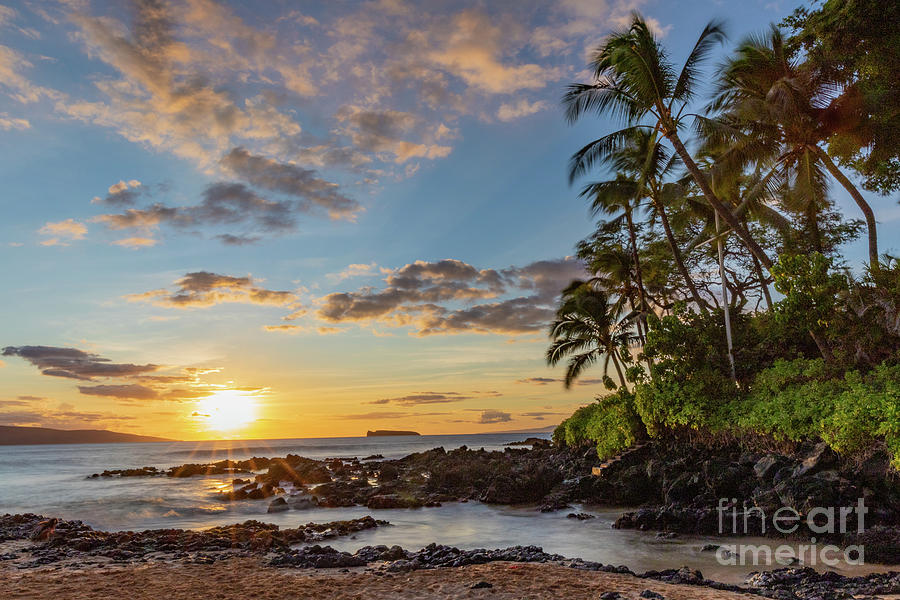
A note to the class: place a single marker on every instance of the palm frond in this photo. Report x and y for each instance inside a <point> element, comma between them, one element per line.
<point>712,35</point>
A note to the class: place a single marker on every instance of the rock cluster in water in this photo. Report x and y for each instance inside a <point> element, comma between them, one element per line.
<point>75,540</point>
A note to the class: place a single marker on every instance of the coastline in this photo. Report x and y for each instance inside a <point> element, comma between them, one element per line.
<point>254,559</point>
<point>462,478</point>
<point>246,577</point>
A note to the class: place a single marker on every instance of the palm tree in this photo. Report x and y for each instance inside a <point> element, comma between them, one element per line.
<point>643,163</point>
<point>636,81</point>
<point>588,326</point>
<point>777,109</point>
<point>619,198</point>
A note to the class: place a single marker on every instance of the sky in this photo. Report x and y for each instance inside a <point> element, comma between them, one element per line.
<point>300,219</point>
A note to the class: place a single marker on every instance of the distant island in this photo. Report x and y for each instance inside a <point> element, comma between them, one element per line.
<point>386,432</point>
<point>11,436</point>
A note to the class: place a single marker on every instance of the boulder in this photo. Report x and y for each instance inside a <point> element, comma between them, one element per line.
<point>300,502</point>
<point>821,457</point>
<point>278,505</point>
<point>683,489</point>
<point>766,467</point>
<point>392,501</point>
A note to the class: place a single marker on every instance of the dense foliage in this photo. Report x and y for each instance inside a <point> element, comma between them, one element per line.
<point>739,239</point>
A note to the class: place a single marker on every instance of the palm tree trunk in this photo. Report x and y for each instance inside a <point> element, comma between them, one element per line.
<point>762,282</point>
<point>814,230</point>
<point>823,346</point>
<point>679,258</point>
<point>717,205</point>
<point>612,355</point>
<point>860,201</point>
<point>632,235</point>
<point>638,324</point>
<point>642,313</point>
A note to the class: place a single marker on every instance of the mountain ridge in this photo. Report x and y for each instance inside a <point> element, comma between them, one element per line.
<point>27,436</point>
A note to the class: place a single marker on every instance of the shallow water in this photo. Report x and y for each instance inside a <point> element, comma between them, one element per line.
<point>53,480</point>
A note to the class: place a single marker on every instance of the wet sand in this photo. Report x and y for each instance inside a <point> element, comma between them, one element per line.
<point>248,578</point>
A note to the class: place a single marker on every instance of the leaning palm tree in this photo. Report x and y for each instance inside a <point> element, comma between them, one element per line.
<point>588,326</point>
<point>644,164</point>
<point>636,81</point>
<point>776,109</point>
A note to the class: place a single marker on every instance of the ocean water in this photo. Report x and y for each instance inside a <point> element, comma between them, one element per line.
<point>54,480</point>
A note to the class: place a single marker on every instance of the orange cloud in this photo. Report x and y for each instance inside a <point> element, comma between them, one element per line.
<point>204,289</point>
<point>134,243</point>
<point>63,232</point>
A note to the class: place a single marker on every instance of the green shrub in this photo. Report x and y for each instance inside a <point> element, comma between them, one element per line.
<point>868,410</point>
<point>790,400</point>
<point>701,400</point>
<point>610,423</point>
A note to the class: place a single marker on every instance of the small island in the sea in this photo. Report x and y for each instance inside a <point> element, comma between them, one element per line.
<point>387,432</point>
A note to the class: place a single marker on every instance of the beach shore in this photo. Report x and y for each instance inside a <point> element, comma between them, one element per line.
<point>250,578</point>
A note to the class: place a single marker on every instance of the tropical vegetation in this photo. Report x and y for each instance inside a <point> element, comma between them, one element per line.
<point>719,303</point>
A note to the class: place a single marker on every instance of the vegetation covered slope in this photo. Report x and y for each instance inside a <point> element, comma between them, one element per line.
<point>710,198</point>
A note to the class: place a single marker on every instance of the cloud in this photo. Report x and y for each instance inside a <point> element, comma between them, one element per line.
<point>204,289</point>
<point>522,108</point>
<point>471,47</point>
<point>165,97</point>
<point>541,415</point>
<point>13,403</point>
<point>442,297</point>
<point>135,243</point>
<point>378,86</point>
<point>237,240</point>
<point>59,419</point>
<point>423,398</point>
<point>353,270</point>
<point>223,203</point>
<point>131,391</point>
<point>284,328</point>
<point>539,380</point>
<point>129,382</point>
<point>13,81</point>
<point>385,132</point>
<point>62,232</point>
<point>546,380</point>
<point>292,180</point>
<point>494,416</point>
<point>373,416</point>
<point>8,123</point>
<point>74,364</point>
<point>121,193</point>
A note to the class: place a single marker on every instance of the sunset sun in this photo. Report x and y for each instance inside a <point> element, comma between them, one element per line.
<point>227,410</point>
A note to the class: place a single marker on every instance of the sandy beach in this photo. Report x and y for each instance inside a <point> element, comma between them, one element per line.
<point>249,578</point>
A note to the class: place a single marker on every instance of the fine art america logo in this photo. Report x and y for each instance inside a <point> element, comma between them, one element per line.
<point>819,521</point>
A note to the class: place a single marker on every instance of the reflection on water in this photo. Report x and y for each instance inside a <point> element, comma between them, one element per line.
<point>52,480</point>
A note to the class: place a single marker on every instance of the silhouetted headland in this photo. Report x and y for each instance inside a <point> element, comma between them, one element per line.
<point>10,436</point>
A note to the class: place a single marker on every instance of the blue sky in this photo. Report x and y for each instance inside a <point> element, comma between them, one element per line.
<point>345,214</point>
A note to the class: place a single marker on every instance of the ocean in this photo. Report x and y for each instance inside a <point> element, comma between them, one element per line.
<point>53,480</point>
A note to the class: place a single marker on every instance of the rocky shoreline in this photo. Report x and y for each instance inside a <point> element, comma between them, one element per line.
<point>74,545</point>
<point>675,487</point>
<point>74,542</point>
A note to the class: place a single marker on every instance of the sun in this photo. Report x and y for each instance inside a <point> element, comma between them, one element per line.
<point>227,410</point>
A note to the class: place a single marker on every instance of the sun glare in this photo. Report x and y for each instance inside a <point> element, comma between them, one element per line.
<point>227,410</point>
